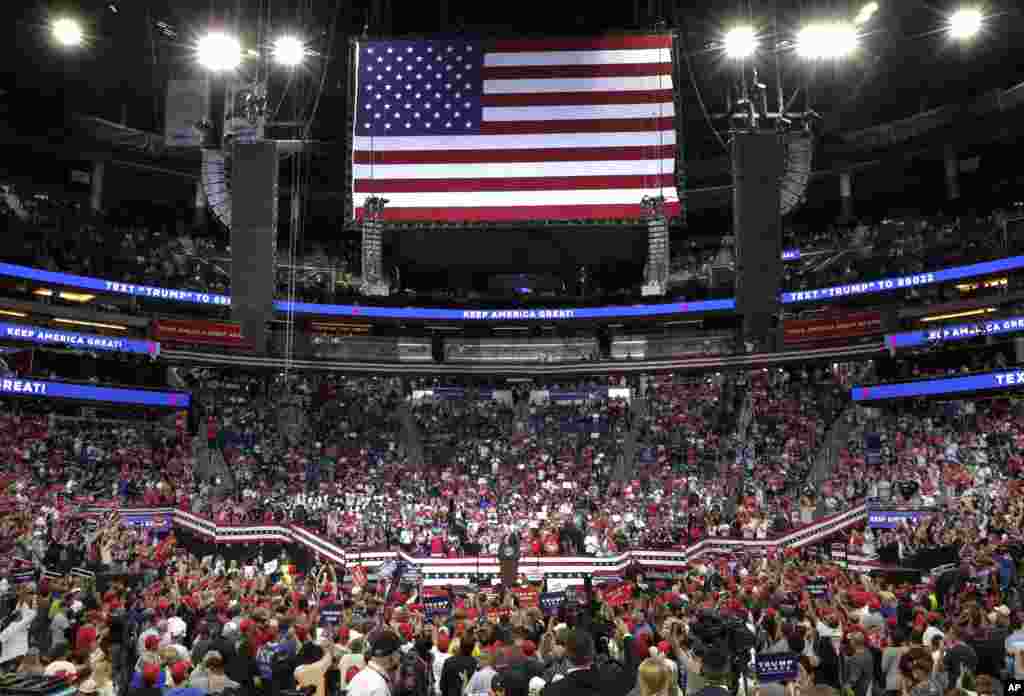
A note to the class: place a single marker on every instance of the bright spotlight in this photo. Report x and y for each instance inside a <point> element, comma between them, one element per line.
<point>965,23</point>
<point>67,32</point>
<point>822,41</point>
<point>740,42</point>
<point>219,52</point>
<point>289,51</point>
<point>866,13</point>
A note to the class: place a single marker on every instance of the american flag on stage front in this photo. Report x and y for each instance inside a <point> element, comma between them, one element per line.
<point>458,130</point>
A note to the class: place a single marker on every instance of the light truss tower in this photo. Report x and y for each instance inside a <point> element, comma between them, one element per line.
<point>656,273</point>
<point>374,282</point>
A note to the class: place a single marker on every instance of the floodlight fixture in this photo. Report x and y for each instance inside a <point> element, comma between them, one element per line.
<point>866,13</point>
<point>289,51</point>
<point>965,23</point>
<point>740,42</point>
<point>67,32</point>
<point>827,40</point>
<point>219,52</point>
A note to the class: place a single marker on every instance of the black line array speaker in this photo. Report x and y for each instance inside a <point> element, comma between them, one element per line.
<point>757,166</point>
<point>254,183</point>
<point>437,347</point>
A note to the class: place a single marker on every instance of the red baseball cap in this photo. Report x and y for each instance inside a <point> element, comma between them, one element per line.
<point>179,671</point>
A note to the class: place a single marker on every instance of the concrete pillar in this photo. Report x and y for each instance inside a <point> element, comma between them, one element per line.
<point>952,163</point>
<point>96,187</point>
<point>846,193</point>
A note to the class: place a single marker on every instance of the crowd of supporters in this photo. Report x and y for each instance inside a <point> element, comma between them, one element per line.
<point>360,462</point>
<point>898,247</point>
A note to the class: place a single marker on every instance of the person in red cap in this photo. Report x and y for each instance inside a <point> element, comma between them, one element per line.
<point>148,682</point>
<point>179,681</point>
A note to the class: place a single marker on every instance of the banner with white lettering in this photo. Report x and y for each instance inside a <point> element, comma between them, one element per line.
<point>551,602</point>
<point>781,667</point>
<point>93,342</point>
<point>80,392</point>
<point>436,606</point>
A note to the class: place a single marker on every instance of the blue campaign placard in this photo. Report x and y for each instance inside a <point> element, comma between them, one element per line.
<point>437,606</point>
<point>331,615</point>
<point>779,667</point>
<point>551,602</point>
<point>890,519</point>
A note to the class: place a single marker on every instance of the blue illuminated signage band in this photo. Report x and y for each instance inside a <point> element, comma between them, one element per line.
<point>41,389</point>
<point>838,292</point>
<point>791,254</point>
<point>508,314</point>
<point>1004,379</point>
<point>100,285</point>
<point>955,332</point>
<point>46,336</point>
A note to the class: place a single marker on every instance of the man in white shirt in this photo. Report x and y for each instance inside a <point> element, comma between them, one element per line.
<point>375,679</point>
<point>440,653</point>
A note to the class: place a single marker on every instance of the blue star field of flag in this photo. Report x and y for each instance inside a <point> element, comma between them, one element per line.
<point>419,88</point>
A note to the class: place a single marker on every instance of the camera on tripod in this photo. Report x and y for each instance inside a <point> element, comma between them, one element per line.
<point>722,643</point>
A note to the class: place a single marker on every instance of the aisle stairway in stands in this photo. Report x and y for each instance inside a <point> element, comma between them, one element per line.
<point>828,454</point>
<point>626,463</point>
<point>410,434</point>
<point>211,464</point>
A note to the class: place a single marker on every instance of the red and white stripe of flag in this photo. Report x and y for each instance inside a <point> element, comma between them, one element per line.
<point>571,129</point>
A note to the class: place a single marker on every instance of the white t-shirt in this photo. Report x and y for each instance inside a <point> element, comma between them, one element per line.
<point>369,682</point>
<point>439,659</point>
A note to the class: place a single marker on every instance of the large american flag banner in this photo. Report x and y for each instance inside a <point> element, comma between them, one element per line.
<point>460,130</point>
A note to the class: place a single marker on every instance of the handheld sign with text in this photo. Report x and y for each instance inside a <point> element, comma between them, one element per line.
<point>817,587</point>
<point>781,667</point>
<point>436,606</point>
<point>528,597</point>
<point>331,615</point>
<point>551,602</point>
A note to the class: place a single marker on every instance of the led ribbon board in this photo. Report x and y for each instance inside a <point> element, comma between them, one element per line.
<point>53,337</point>
<point>818,295</point>
<point>838,292</point>
<point>100,285</point>
<point>1012,379</point>
<point>41,389</point>
<point>958,332</point>
<point>623,311</point>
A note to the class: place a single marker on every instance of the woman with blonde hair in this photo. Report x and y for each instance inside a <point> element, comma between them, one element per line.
<point>655,678</point>
<point>102,676</point>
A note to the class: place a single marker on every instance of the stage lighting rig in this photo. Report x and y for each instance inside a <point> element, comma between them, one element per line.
<point>289,51</point>
<point>966,23</point>
<point>740,42</point>
<point>219,52</point>
<point>67,32</point>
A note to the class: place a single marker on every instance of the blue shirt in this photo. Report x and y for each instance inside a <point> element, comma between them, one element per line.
<point>137,680</point>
